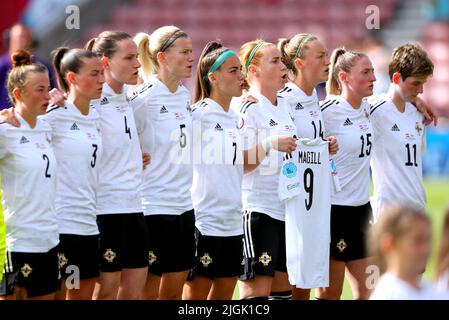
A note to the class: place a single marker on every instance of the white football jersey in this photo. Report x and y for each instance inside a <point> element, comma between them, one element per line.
<point>390,287</point>
<point>217,170</point>
<point>78,149</point>
<point>120,167</point>
<point>353,130</point>
<point>164,126</point>
<point>305,111</point>
<point>28,171</point>
<point>396,161</point>
<point>305,185</point>
<point>257,122</point>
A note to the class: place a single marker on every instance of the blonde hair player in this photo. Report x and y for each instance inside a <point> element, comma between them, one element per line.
<point>264,214</point>
<point>307,60</point>
<point>162,112</point>
<point>346,116</point>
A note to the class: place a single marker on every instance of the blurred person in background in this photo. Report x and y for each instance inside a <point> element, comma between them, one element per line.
<point>18,37</point>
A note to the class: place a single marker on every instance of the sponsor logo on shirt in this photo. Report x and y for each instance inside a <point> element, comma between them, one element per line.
<point>74,126</point>
<point>163,110</point>
<point>347,122</point>
<point>24,140</point>
<point>104,101</point>
<point>273,123</point>
<point>299,106</point>
<point>395,128</point>
<point>289,170</point>
<point>218,127</point>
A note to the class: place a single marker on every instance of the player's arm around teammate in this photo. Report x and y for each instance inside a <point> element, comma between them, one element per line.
<point>346,116</point>
<point>396,162</point>
<point>123,235</point>
<point>308,63</point>
<point>264,234</point>
<point>28,171</point>
<point>161,107</point>
<point>78,148</point>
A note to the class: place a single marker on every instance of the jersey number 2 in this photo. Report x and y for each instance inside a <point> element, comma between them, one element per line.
<point>45,157</point>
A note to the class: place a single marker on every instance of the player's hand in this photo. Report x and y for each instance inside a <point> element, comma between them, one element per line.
<point>428,114</point>
<point>9,116</point>
<point>333,145</point>
<point>284,143</point>
<point>146,159</point>
<point>57,97</point>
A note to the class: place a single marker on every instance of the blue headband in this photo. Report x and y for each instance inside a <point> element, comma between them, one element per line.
<point>220,60</point>
<point>306,37</point>
<point>252,54</point>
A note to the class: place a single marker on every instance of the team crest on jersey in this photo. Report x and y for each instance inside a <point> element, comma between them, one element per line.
<point>62,260</point>
<point>189,107</point>
<point>366,114</point>
<point>418,129</point>
<point>91,136</point>
<point>409,136</point>
<point>341,245</point>
<point>289,170</point>
<point>47,137</point>
<point>265,259</point>
<point>363,127</point>
<point>109,255</point>
<point>151,257</point>
<point>206,260</point>
<point>313,114</point>
<point>26,270</point>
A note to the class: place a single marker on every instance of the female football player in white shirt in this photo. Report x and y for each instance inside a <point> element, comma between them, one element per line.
<point>162,111</point>
<point>400,243</point>
<point>346,116</point>
<point>217,175</point>
<point>264,226</point>
<point>78,149</point>
<point>123,236</point>
<point>307,60</point>
<point>396,161</point>
<point>28,171</point>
